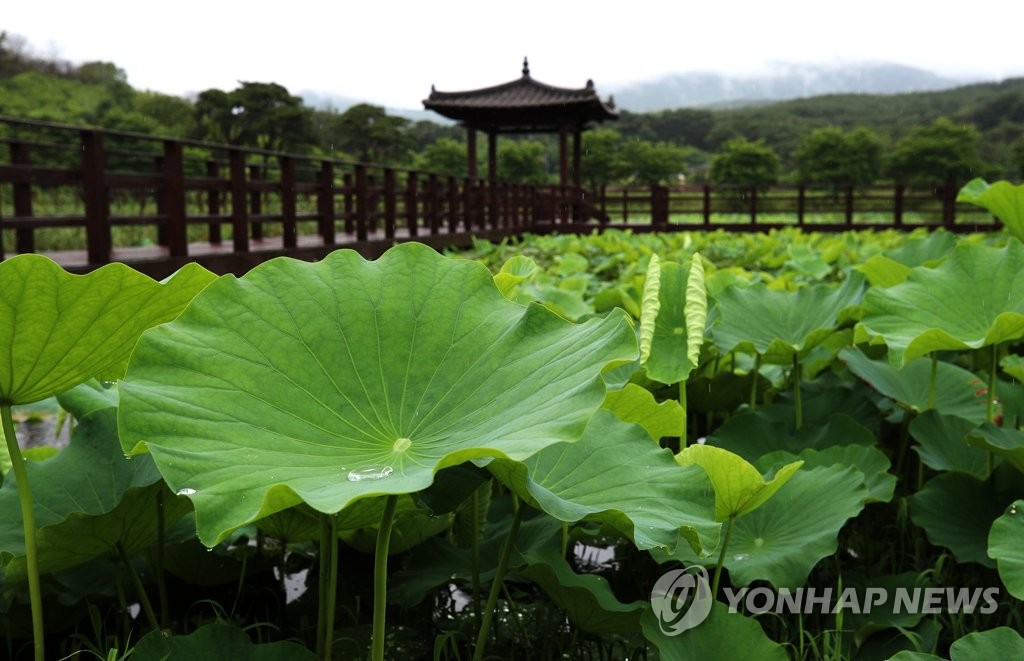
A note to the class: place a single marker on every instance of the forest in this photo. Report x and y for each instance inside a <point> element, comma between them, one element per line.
<point>930,137</point>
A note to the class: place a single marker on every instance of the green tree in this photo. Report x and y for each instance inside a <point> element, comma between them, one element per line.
<point>942,152</point>
<point>1017,156</point>
<point>523,161</point>
<point>602,158</point>
<point>745,163</point>
<point>652,164</point>
<point>256,115</point>
<point>836,157</point>
<point>368,133</point>
<point>444,156</point>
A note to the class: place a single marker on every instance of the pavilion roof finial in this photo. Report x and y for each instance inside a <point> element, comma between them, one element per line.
<point>526,67</point>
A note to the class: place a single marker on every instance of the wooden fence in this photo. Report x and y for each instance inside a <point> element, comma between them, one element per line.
<point>87,197</point>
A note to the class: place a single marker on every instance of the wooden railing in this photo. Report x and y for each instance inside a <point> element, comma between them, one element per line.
<point>87,197</point>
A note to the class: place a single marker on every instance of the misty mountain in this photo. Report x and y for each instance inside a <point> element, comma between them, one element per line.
<point>785,81</point>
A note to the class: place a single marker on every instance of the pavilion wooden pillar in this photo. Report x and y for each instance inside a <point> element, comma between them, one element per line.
<point>471,153</point>
<point>563,172</point>
<point>577,157</point>
<point>492,178</point>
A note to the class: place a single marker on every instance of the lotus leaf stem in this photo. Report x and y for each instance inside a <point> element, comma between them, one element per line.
<point>28,518</point>
<point>475,547</point>
<point>753,384</point>
<point>380,577</point>
<point>328,584</point>
<point>140,589</point>
<point>721,554</point>
<point>499,577</point>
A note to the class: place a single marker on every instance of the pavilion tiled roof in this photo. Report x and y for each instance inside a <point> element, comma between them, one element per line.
<point>523,104</point>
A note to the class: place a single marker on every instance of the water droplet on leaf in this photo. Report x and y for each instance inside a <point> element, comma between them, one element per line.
<point>372,473</point>
<point>740,557</point>
<point>186,491</point>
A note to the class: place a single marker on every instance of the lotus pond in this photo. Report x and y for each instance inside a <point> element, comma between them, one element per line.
<point>497,454</point>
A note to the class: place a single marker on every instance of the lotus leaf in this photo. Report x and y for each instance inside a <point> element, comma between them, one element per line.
<point>1006,547</point>
<point>1002,199</point>
<point>868,459</point>
<point>58,330</point>
<point>973,299</point>
<point>216,642</point>
<point>998,643</point>
<point>723,635</point>
<point>957,511</point>
<point>1002,441</point>
<point>781,324</point>
<point>637,405</point>
<point>753,434</point>
<point>329,382</point>
<point>614,474</point>
<point>672,319</point>
<point>957,391</point>
<point>739,487</point>
<point>943,444</point>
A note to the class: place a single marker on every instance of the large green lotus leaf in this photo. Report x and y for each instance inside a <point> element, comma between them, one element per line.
<point>780,324</point>
<point>216,642</point>
<point>58,330</point>
<point>868,459</point>
<point>133,524</point>
<point>329,382</point>
<point>411,525</point>
<point>87,397</point>
<point>957,511</point>
<point>957,391</point>
<point>723,635</point>
<point>943,444</point>
<point>1003,441</point>
<point>998,643</point>
<point>636,404</point>
<point>754,434</point>
<point>614,474</point>
<point>1006,547</point>
<point>587,599</point>
<point>89,477</point>
<point>1013,365</point>
<point>739,487</point>
<point>882,271</point>
<point>973,299</point>
<point>1002,199</point>
<point>772,544</point>
<point>517,269</point>
<point>672,319</point>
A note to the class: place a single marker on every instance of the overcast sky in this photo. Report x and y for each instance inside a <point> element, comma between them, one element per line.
<point>390,53</point>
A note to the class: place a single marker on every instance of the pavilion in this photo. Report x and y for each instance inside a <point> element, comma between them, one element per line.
<point>525,106</point>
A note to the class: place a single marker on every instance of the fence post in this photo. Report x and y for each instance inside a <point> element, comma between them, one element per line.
<point>433,204</point>
<point>97,201</point>
<point>801,204</point>
<point>25,240</point>
<point>256,174</point>
<point>849,207</point>
<point>213,203</point>
<point>898,206</point>
<point>346,181</point>
<point>239,210</point>
<point>411,203</point>
<point>390,205</point>
<point>949,205</point>
<point>175,227</point>
<point>659,214</point>
<point>362,203</point>
<point>289,231</point>
<point>325,203</point>
<point>453,206</point>
<point>753,205</point>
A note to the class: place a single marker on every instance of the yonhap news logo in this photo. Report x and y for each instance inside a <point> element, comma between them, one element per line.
<point>681,599</point>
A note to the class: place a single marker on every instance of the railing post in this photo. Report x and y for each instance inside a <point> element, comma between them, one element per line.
<point>453,206</point>
<point>213,203</point>
<point>659,205</point>
<point>176,229</point>
<point>753,205</point>
<point>239,208</point>
<point>349,207</point>
<point>849,207</point>
<point>411,203</point>
<point>24,237</point>
<point>390,204</point>
<point>801,204</point>
<point>433,204</point>
<point>362,203</point>
<point>625,206</point>
<point>289,231</point>
<point>256,201</point>
<point>897,211</point>
<point>325,203</point>
<point>949,205</point>
<point>97,201</point>
<point>706,209</point>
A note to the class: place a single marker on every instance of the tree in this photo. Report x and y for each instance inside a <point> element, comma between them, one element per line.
<point>444,156</point>
<point>367,132</point>
<point>833,156</point>
<point>1017,157</point>
<point>261,115</point>
<point>940,153</point>
<point>602,161</point>
<point>652,164</point>
<point>745,163</point>
<point>523,162</point>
